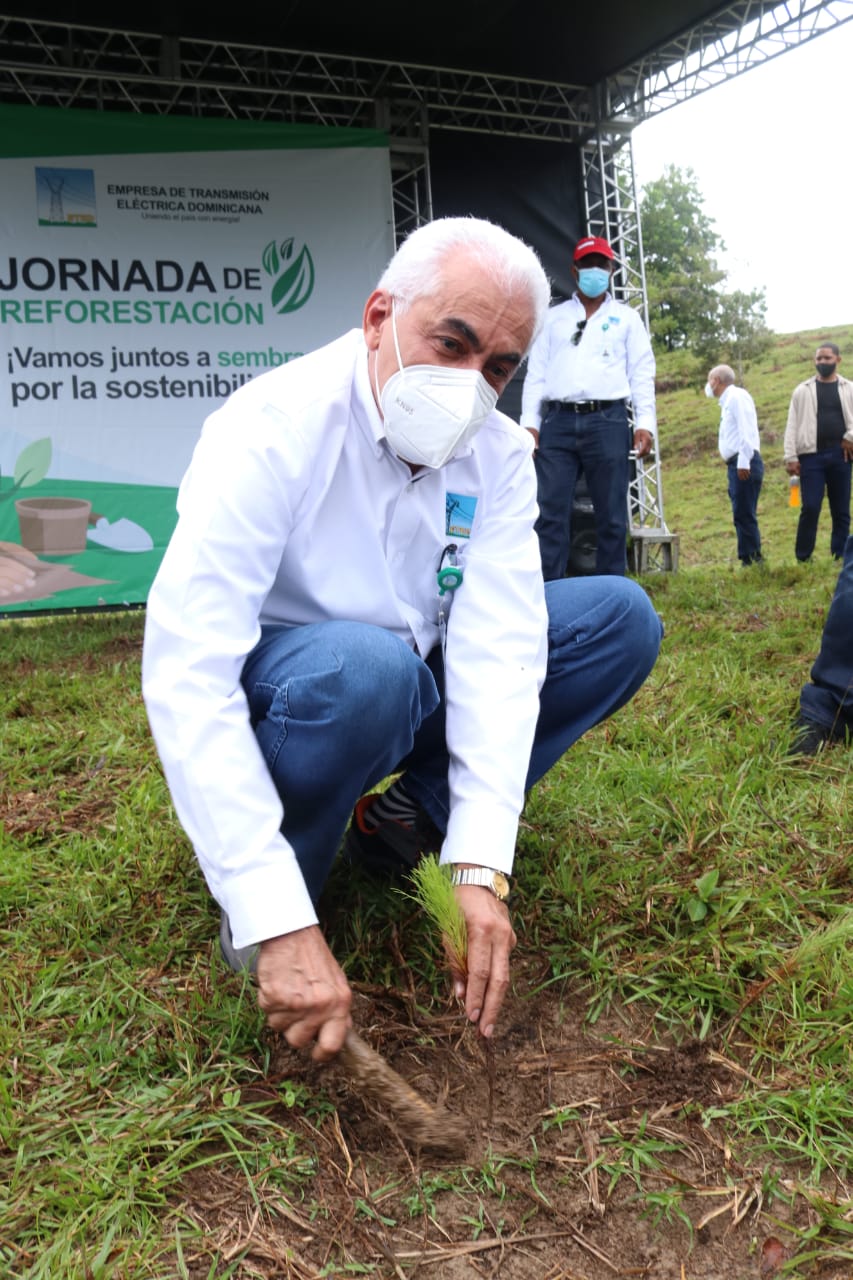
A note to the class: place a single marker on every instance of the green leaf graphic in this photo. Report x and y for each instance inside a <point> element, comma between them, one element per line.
<point>32,463</point>
<point>293,289</point>
<point>270,258</point>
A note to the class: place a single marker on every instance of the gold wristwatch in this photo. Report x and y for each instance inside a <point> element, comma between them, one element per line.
<point>486,877</point>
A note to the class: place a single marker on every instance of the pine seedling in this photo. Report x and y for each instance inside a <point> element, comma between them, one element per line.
<point>434,893</point>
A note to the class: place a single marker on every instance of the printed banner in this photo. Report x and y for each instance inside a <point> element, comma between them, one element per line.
<point>138,289</point>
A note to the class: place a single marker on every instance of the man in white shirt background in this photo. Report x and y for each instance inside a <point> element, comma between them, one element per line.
<point>740,449</point>
<point>354,589</point>
<point>592,356</point>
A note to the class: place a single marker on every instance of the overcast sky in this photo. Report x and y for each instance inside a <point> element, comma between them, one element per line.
<point>771,150</point>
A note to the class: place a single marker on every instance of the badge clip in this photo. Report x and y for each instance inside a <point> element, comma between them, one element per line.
<point>449,574</point>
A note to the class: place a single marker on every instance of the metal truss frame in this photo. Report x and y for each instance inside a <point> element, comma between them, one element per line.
<point>737,37</point>
<point>71,65</point>
<point>612,210</point>
<point>66,64</point>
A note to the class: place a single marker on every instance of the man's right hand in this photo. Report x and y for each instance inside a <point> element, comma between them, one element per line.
<point>303,991</point>
<point>792,468</point>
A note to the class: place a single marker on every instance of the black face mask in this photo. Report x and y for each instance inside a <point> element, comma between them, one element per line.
<point>825,370</point>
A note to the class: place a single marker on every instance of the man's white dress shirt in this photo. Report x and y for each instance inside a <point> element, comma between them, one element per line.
<point>612,361</point>
<point>738,427</point>
<point>295,510</point>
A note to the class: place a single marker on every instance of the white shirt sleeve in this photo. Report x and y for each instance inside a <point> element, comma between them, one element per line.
<point>495,665</point>
<point>534,380</point>
<point>236,506</point>
<point>740,409</point>
<point>640,362</point>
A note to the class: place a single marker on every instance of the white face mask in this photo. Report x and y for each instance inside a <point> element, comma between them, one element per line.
<point>431,411</point>
<point>709,391</point>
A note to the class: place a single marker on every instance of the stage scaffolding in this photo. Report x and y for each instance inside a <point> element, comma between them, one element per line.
<point>72,65</point>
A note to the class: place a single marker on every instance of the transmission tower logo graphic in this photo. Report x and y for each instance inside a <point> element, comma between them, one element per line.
<point>66,197</point>
<point>292,274</point>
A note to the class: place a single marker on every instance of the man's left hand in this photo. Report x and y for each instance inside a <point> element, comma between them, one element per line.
<point>643,441</point>
<point>847,450</point>
<point>743,473</point>
<point>491,938</point>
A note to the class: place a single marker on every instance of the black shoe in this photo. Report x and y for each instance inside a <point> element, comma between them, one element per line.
<point>391,850</point>
<point>810,737</point>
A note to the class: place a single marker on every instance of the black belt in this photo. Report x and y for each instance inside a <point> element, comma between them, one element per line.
<point>578,406</point>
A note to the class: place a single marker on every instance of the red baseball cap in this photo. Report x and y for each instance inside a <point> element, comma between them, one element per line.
<point>592,244</point>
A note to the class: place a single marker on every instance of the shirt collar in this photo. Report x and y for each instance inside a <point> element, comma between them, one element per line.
<point>606,301</point>
<point>364,406</point>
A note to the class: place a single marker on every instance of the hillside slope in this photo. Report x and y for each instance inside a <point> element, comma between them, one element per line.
<point>696,505</point>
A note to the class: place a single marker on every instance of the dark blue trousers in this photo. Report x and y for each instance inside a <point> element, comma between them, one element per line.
<point>827,471</point>
<point>596,444</point>
<point>338,706</point>
<point>744,499</point>
<point>828,700</point>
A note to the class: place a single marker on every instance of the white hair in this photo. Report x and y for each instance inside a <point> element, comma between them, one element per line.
<point>724,372</point>
<point>415,271</point>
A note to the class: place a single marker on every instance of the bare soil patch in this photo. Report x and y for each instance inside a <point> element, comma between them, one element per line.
<point>559,1117</point>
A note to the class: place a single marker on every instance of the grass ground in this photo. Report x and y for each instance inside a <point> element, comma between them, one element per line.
<point>684,887</point>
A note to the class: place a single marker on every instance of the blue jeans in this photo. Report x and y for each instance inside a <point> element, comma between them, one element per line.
<point>338,706</point>
<point>744,499</point>
<point>828,700</point>
<point>596,444</point>
<point>818,471</point>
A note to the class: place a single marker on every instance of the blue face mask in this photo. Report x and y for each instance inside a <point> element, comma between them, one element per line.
<point>593,281</point>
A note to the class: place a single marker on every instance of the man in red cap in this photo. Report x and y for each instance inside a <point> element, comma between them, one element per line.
<point>592,356</point>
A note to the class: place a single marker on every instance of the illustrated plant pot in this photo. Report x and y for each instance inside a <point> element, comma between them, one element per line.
<point>53,526</point>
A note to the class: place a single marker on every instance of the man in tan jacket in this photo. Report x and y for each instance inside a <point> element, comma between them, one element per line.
<point>819,449</point>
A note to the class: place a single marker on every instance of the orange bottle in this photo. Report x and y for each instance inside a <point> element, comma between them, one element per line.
<point>794,491</point>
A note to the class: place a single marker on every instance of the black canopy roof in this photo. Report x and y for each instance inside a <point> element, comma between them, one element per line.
<point>568,42</point>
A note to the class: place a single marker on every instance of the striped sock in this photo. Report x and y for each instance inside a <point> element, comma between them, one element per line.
<point>393,805</point>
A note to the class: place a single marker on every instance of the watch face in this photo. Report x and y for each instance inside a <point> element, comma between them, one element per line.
<point>501,885</point>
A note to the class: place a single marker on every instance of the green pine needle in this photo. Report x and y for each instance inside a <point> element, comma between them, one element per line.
<point>434,892</point>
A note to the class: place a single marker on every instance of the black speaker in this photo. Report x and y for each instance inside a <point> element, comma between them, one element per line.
<point>583,542</point>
